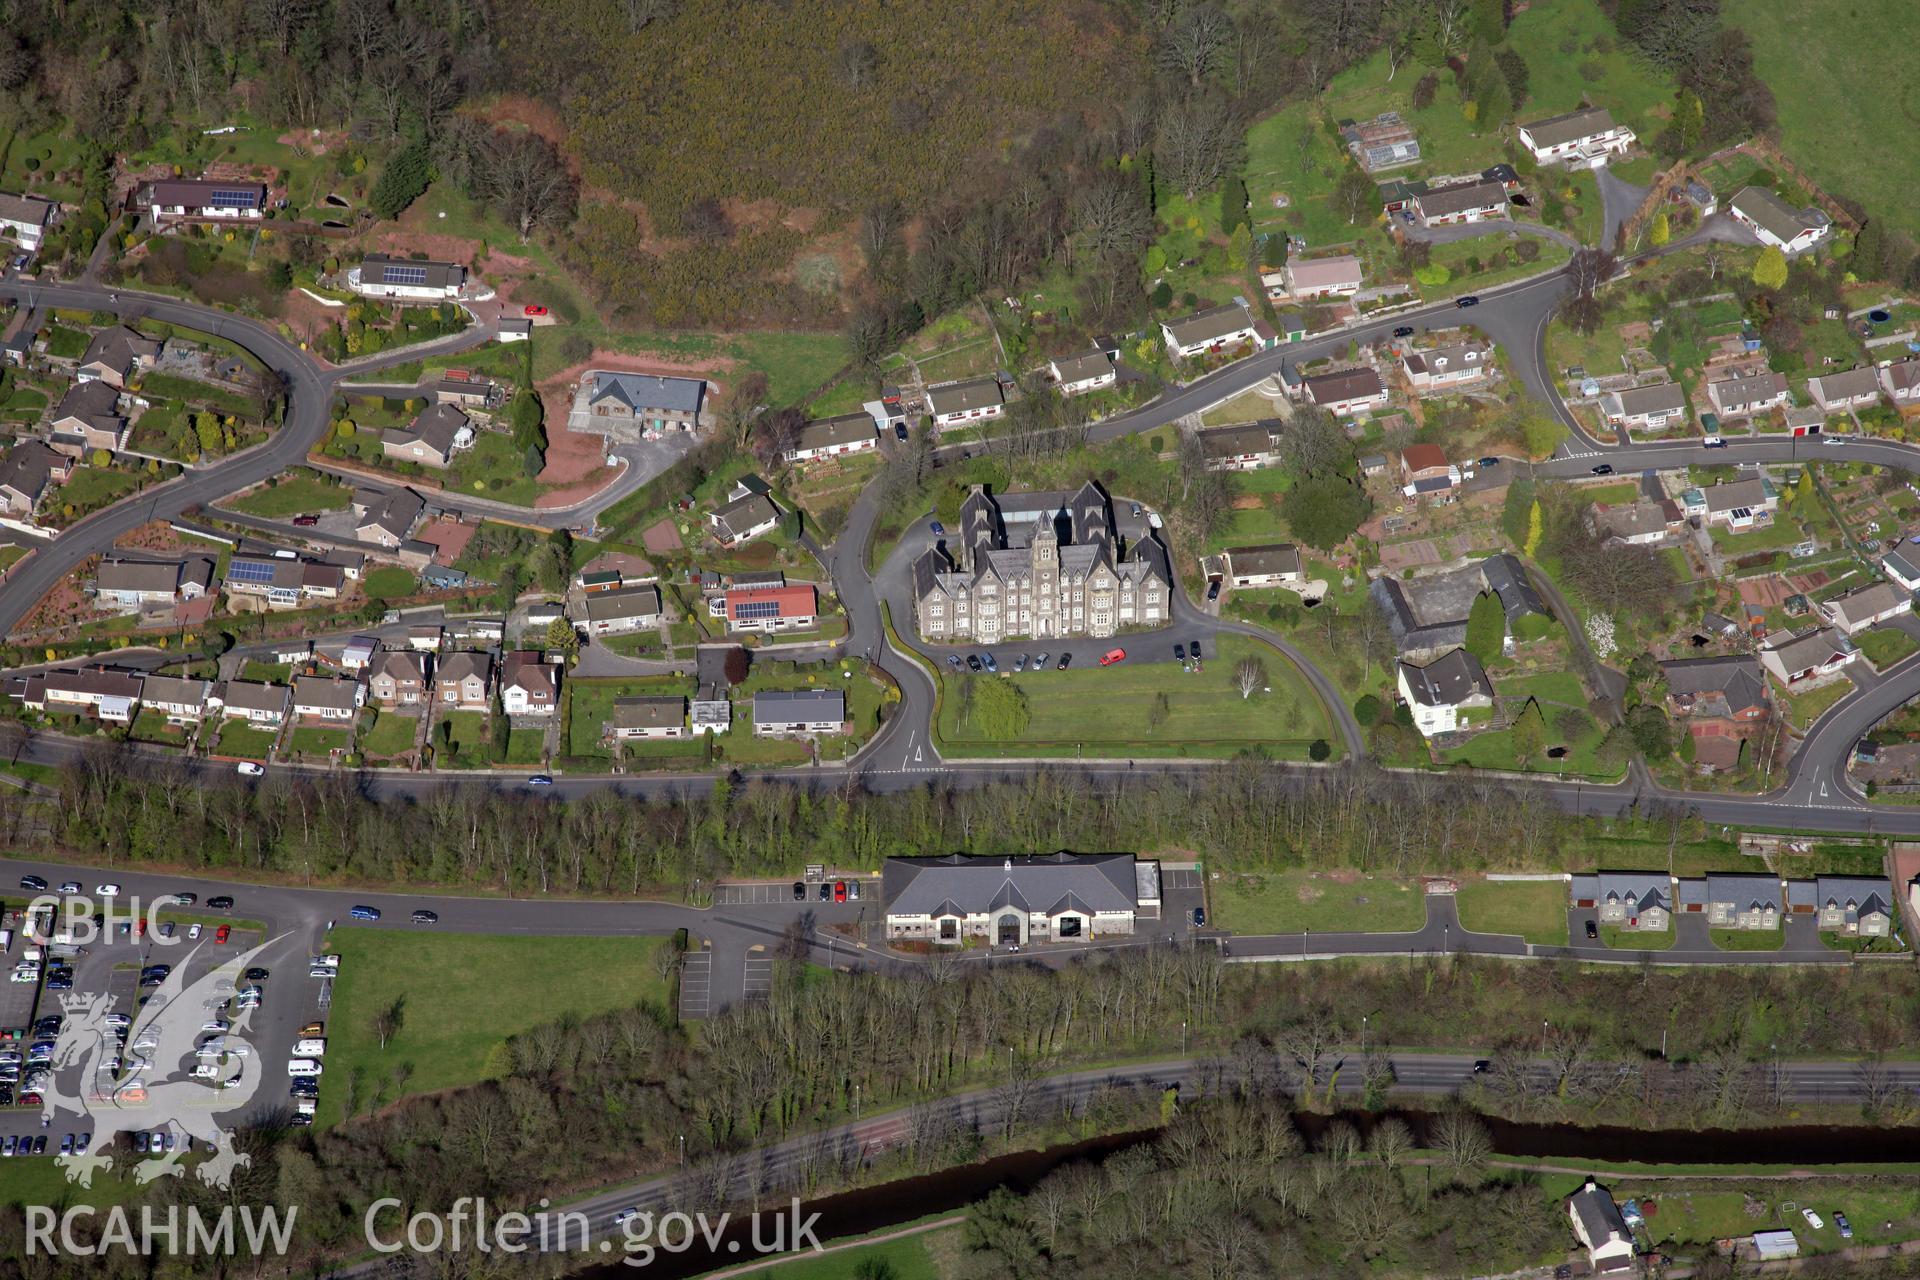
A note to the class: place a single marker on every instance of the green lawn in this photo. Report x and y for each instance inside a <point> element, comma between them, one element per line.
<point>310,740</point>
<point>297,493</point>
<point>483,989</point>
<point>915,1257</point>
<point>1884,646</point>
<point>1748,939</point>
<point>203,394</point>
<point>469,737</point>
<point>240,739</point>
<point>94,487</point>
<point>1555,691</point>
<point>495,468</point>
<point>1295,901</point>
<point>1574,52</point>
<point>390,582</point>
<point>1804,708</point>
<point>1783,532</point>
<point>269,672</point>
<point>392,734</point>
<point>1624,939</point>
<point>1828,117</point>
<point>64,343</point>
<point>1110,710</point>
<point>1534,909</point>
<point>526,746</point>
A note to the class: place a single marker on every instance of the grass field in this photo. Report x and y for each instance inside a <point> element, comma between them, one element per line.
<point>469,737</point>
<point>296,494</point>
<point>1829,115</point>
<point>1109,711</point>
<point>390,582</point>
<point>237,739</point>
<point>391,735</point>
<point>915,1257</point>
<point>526,746</point>
<point>1296,901</point>
<point>1804,708</point>
<point>485,989</point>
<point>1534,909</point>
<point>1622,939</point>
<point>309,740</point>
<point>1748,939</point>
<point>1885,646</point>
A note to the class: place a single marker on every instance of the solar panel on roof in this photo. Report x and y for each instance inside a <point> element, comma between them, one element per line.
<point>406,275</point>
<point>757,609</point>
<point>233,199</point>
<point>250,571</point>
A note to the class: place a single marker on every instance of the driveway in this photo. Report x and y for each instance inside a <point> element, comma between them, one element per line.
<point>1619,199</point>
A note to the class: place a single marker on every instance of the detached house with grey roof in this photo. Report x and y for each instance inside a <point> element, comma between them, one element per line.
<point>1862,607</point>
<point>835,437</point>
<point>1583,139</point>
<point>1741,397</point>
<point>1738,900</point>
<point>1839,392</point>
<point>431,438</point>
<point>1777,223</point>
<point>1089,371</point>
<point>1214,329</point>
<point>115,355</point>
<point>1645,408</point>
<point>1858,906</point>
<point>26,219</point>
<point>623,610</point>
<point>413,280</point>
<point>1638,900</point>
<point>1475,201</point>
<point>782,713</point>
<point>632,406</point>
<point>973,400</point>
<point>1059,897</point>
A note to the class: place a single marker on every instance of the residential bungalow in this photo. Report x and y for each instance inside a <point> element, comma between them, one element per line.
<point>26,219</point>
<point>1862,607</point>
<point>1089,371</point>
<point>182,701</point>
<point>1583,139</point>
<point>1428,615</point>
<point>625,610</point>
<point>1335,277</point>
<point>1812,657</point>
<point>772,608</point>
<point>1739,397</point>
<point>88,418</point>
<point>1438,692</point>
<point>462,390</point>
<point>529,684</point>
<point>1645,408</point>
<point>1058,897</point>
<point>463,681</point>
<point>1738,504</point>
<point>1274,565</point>
<point>398,677</point>
<point>328,698</point>
<point>632,405</point>
<point>136,584</point>
<point>1348,391</point>
<point>379,276</point>
<point>1778,223</point>
<point>431,438</point>
<point>115,355</point>
<point>711,710</point>
<point>1426,473</point>
<point>1901,382</point>
<point>282,581</point>
<point>1638,524</point>
<point>29,469</point>
<point>743,519</point>
<point>1638,900</point>
<point>1743,901</point>
<point>1474,201</point>
<point>1444,368</point>
<point>834,437</point>
<point>1246,448</point>
<point>785,712</point>
<point>254,702</point>
<point>659,716</point>
<point>1601,1230</point>
<point>1215,329</point>
<point>111,695</point>
<point>1903,566</point>
<point>1859,906</point>
<point>974,400</point>
<point>173,199</point>
<point>1840,392</point>
<point>386,518</point>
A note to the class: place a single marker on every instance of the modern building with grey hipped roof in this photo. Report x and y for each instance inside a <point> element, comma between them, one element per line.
<point>795,711</point>
<point>1056,897</point>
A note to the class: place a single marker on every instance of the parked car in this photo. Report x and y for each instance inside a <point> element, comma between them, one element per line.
<point>799,891</point>
<point>193,932</point>
<point>1199,917</point>
<point>1179,652</point>
<point>839,890</point>
<point>221,903</point>
<point>1714,442</point>
<point>314,1029</point>
<point>973,663</point>
<point>826,892</point>
<point>533,309</point>
<point>33,884</point>
<point>1469,300</point>
<point>1833,439</point>
<point>1604,469</point>
<point>257,974</point>
<point>1040,659</point>
<point>539,780</point>
<point>1061,665</point>
<point>365,913</point>
<point>853,891</point>
<point>69,886</point>
<point>937,528</point>
<point>1403,331</point>
<point>306,522</point>
<point>1593,930</point>
<point>1112,656</point>
<point>953,660</point>
<point>1814,1220</point>
<point>1020,663</point>
<point>1489,462</point>
<point>1845,1227</point>
<point>108,890</point>
<point>991,665</point>
<point>185,899</point>
<point>221,934</point>
<point>1213,589</point>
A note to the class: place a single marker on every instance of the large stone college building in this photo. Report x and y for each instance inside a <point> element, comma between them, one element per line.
<point>1040,565</point>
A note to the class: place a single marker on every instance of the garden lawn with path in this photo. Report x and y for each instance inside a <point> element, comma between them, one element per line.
<point>468,747</point>
<point>1534,909</point>
<point>317,743</point>
<point>298,493</point>
<point>1885,646</point>
<point>1111,711</point>
<point>1748,939</point>
<point>1621,938</point>
<point>390,582</point>
<point>238,738</point>
<point>391,734</point>
<point>453,1030</point>
<point>1296,901</point>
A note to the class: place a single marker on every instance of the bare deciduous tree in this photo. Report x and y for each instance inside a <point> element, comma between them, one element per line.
<point>1249,676</point>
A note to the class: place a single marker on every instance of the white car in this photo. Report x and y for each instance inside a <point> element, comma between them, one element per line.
<point>107,890</point>
<point>626,1214</point>
<point>1814,1220</point>
<point>1833,440</point>
<point>303,1067</point>
<point>248,768</point>
<point>206,1071</point>
<point>193,931</point>
<point>217,1026</point>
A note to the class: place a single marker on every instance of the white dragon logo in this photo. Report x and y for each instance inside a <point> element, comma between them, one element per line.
<point>150,1090</point>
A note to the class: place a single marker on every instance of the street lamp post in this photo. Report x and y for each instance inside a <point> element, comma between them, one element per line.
<point>1183,1037</point>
